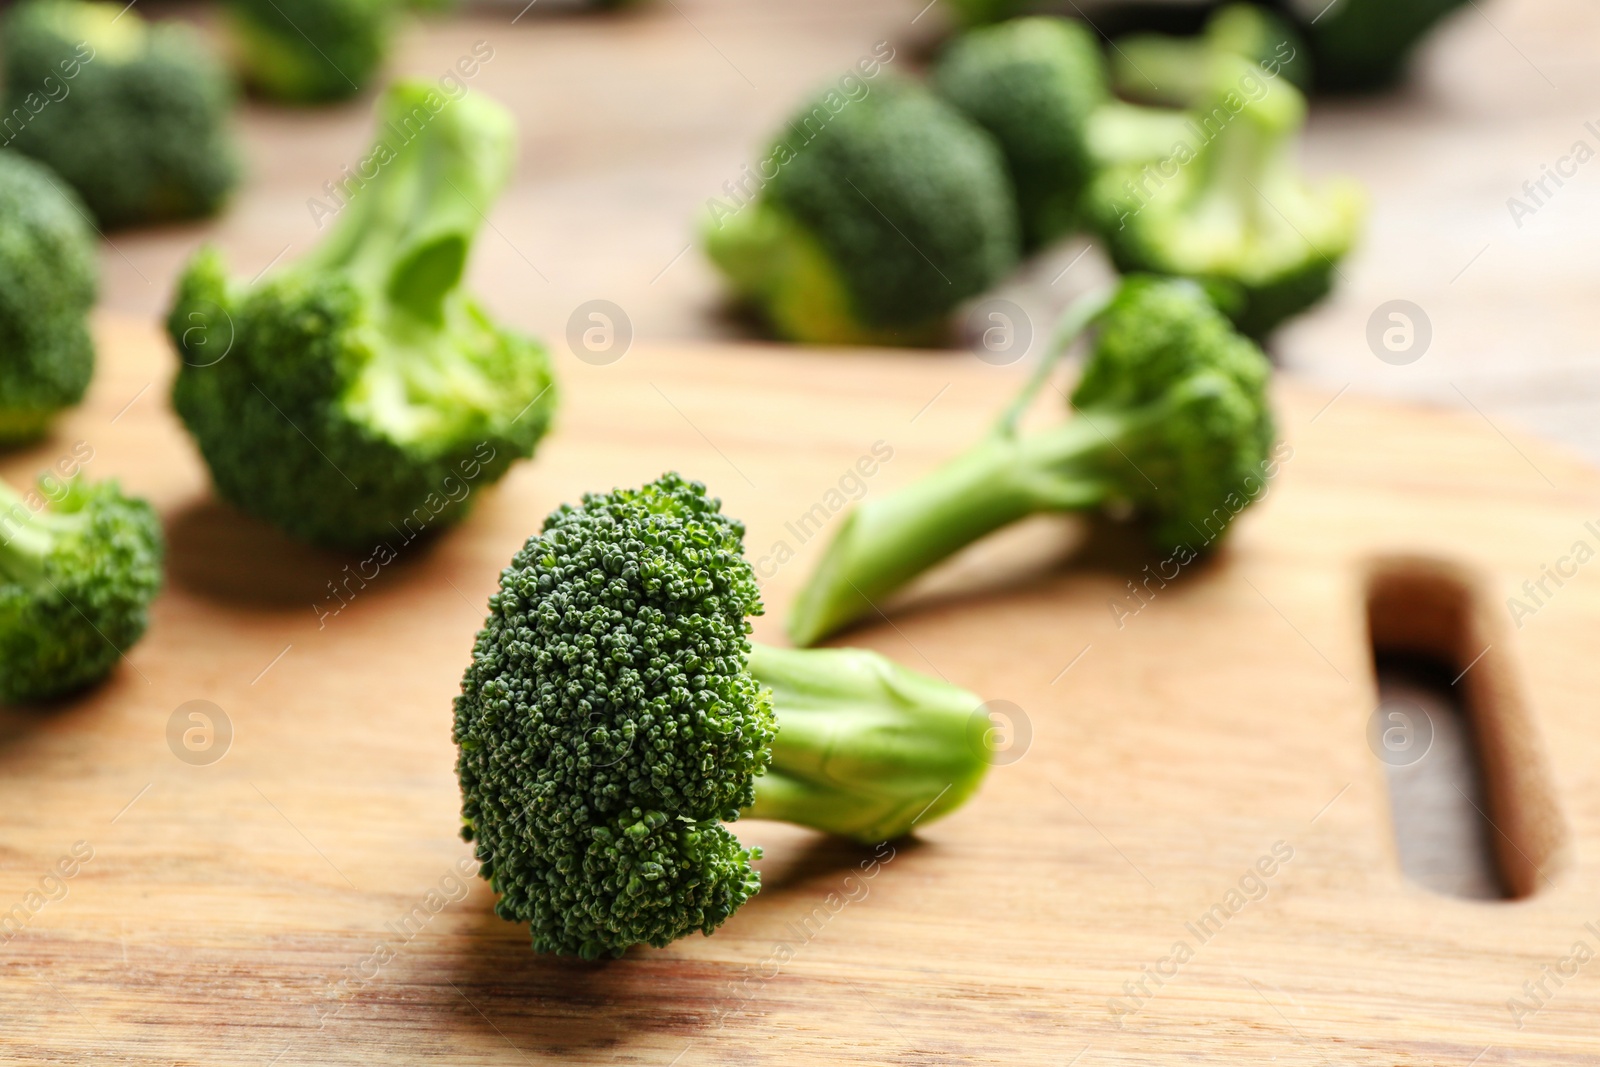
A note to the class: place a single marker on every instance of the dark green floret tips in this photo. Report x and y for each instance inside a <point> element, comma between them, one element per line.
<point>616,715</point>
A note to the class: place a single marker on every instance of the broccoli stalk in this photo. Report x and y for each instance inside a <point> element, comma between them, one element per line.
<point>360,395</point>
<point>1161,69</point>
<point>1172,421</point>
<point>79,565</point>
<point>865,748</point>
<point>1227,205</point>
<point>615,716</point>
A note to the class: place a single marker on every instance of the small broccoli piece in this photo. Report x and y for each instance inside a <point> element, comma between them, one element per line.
<point>883,213</point>
<point>1173,71</point>
<point>359,394</point>
<point>1172,421</point>
<point>135,116</point>
<point>48,277</point>
<point>312,51</point>
<point>1033,83</point>
<point>615,716</point>
<point>79,565</point>
<point>969,14</point>
<point>1364,45</point>
<point>1229,206</point>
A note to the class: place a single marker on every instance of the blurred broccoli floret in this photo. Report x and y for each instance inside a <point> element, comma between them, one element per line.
<point>359,394</point>
<point>135,116</point>
<point>1229,206</point>
<point>1174,71</point>
<point>1172,421</point>
<point>1033,83</point>
<point>882,214</point>
<point>1362,45</point>
<point>311,51</point>
<point>615,715</point>
<point>48,272</point>
<point>79,565</point>
<point>972,13</point>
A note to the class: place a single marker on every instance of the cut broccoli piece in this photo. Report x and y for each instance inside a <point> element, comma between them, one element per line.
<point>615,715</point>
<point>884,213</point>
<point>1174,71</point>
<point>1172,421</point>
<point>134,116</point>
<point>360,395</point>
<point>312,51</point>
<point>79,565</point>
<point>1363,45</point>
<point>1033,83</point>
<point>1229,206</point>
<point>48,276</point>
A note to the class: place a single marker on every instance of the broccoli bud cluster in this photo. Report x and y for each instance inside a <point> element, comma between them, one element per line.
<point>608,726</point>
<point>48,277</point>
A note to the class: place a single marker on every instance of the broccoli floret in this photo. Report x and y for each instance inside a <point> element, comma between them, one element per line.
<point>1229,206</point>
<point>1363,45</point>
<point>616,715</point>
<point>312,51</point>
<point>1172,421</point>
<point>1173,71</point>
<point>1033,83</point>
<point>79,565</point>
<point>882,213</point>
<point>48,277</point>
<point>135,116</point>
<point>359,394</point>
<point>968,14</point>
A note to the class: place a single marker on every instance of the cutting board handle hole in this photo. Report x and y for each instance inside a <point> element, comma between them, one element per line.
<point>1469,788</point>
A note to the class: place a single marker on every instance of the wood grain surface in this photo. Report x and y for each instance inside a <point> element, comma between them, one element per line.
<point>1199,776</point>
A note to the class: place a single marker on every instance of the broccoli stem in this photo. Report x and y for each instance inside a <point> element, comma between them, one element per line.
<point>26,538</point>
<point>865,748</point>
<point>408,229</point>
<point>1157,69</point>
<point>1120,133</point>
<point>887,542</point>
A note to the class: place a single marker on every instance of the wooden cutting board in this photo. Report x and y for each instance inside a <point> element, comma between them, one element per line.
<point>299,899</point>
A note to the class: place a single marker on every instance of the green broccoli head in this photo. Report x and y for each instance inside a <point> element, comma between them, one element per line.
<point>1363,45</point>
<point>1033,83</point>
<point>135,116</point>
<point>79,565</point>
<point>48,277</point>
<point>608,727</point>
<point>880,214</point>
<point>1160,69</point>
<point>1172,423</point>
<point>312,51</point>
<point>360,395</point>
<point>1188,395</point>
<point>1229,205</point>
<point>615,715</point>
